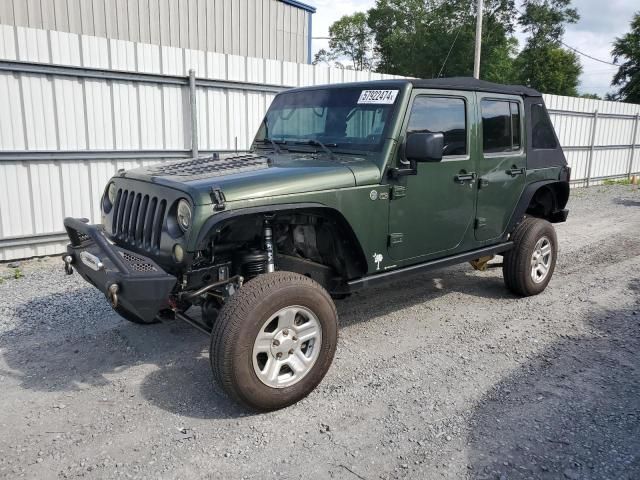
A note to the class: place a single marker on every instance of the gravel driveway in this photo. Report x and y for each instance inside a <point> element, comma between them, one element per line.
<point>441,375</point>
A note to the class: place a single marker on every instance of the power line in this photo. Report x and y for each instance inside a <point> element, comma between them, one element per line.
<point>563,43</point>
<point>587,55</point>
<point>576,50</point>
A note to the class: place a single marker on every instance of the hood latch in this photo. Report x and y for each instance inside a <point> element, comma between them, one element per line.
<point>217,197</point>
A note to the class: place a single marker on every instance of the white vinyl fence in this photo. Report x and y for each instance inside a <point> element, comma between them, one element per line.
<point>75,108</point>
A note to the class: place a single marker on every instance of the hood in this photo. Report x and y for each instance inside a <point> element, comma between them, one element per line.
<point>243,177</point>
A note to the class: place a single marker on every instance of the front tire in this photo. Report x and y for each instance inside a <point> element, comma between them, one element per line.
<point>529,265</point>
<point>274,340</point>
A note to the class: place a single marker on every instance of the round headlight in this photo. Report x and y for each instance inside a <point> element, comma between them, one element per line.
<point>184,214</point>
<point>112,191</point>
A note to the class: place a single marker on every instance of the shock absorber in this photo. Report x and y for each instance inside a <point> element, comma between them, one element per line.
<point>268,245</point>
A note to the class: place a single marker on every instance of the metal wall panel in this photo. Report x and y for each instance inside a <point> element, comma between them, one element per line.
<point>12,132</point>
<point>6,12</point>
<point>109,122</point>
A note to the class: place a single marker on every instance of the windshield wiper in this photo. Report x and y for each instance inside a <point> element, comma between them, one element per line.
<point>318,143</point>
<point>273,142</point>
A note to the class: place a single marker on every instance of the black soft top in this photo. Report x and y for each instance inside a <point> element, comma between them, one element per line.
<point>470,83</point>
<point>450,83</point>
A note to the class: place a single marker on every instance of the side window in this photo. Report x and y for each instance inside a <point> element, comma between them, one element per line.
<point>500,126</point>
<point>441,114</point>
<point>542,129</point>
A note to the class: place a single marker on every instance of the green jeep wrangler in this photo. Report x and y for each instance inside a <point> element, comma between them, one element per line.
<point>345,186</point>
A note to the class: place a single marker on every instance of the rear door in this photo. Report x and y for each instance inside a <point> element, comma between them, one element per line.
<point>501,167</point>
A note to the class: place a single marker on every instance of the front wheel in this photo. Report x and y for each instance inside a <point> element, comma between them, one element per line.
<point>274,340</point>
<point>529,265</point>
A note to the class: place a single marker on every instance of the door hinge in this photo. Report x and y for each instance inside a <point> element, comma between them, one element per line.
<point>395,239</point>
<point>398,191</point>
<point>480,222</point>
<point>217,197</point>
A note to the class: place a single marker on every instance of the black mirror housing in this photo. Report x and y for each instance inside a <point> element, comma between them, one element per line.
<point>424,146</point>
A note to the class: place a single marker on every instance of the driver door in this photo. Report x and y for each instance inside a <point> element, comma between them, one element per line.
<point>431,211</point>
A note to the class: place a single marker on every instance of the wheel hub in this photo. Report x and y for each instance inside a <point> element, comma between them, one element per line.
<point>287,346</point>
<point>285,342</point>
<point>541,260</point>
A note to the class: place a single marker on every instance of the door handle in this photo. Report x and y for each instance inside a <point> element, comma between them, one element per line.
<point>514,171</point>
<point>463,177</point>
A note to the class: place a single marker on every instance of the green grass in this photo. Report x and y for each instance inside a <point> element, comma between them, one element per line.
<point>617,181</point>
<point>14,275</point>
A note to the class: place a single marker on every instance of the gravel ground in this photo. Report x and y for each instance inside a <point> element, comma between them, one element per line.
<point>443,375</point>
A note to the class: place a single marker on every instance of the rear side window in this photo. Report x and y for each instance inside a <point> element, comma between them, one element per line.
<point>541,128</point>
<point>500,126</point>
<point>441,114</point>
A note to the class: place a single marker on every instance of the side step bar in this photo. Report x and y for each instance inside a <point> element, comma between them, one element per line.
<point>384,277</point>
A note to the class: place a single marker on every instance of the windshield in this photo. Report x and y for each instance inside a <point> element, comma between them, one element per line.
<point>338,118</point>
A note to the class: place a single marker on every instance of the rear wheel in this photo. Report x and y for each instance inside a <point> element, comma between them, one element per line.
<point>274,340</point>
<point>528,267</point>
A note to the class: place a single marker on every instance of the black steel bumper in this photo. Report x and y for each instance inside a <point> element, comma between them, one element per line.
<point>135,285</point>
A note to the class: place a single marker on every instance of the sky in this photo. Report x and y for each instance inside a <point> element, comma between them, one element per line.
<point>600,23</point>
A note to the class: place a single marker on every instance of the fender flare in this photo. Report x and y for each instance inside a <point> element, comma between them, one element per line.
<point>525,199</point>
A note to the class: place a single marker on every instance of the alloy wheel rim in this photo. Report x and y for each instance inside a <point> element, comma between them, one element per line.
<point>541,260</point>
<point>287,346</point>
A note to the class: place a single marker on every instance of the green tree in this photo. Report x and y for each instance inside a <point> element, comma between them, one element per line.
<point>627,78</point>
<point>543,63</point>
<point>436,38</point>
<point>549,69</point>
<point>351,39</point>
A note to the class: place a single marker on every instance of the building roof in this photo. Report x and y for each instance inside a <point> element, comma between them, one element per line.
<point>303,6</point>
<point>470,83</point>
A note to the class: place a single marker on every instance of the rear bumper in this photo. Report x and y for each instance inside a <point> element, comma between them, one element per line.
<point>140,286</point>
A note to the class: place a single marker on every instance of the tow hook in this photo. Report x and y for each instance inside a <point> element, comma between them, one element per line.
<point>113,294</point>
<point>68,260</point>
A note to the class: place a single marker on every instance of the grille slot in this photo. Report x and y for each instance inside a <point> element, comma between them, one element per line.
<point>137,219</point>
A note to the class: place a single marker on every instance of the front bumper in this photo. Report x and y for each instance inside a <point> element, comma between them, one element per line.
<point>135,285</point>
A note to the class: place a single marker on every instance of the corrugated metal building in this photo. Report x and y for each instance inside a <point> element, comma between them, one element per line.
<point>275,29</point>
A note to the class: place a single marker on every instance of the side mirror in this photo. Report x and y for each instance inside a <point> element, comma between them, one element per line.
<point>424,147</point>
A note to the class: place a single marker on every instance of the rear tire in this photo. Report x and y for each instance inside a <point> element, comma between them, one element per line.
<point>274,340</point>
<point>529,265</point>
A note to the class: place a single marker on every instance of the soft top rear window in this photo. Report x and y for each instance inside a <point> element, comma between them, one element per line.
<point>542,129</point>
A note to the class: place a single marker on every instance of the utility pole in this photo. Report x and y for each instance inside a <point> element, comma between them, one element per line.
<point>476,63</point>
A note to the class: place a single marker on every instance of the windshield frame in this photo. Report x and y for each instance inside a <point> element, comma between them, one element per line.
<point>298,143</point>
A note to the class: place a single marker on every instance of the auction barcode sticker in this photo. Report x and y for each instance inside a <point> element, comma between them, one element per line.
<point>385,97</point>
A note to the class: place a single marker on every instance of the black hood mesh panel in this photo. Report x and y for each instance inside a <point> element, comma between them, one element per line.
<point>209,166</point>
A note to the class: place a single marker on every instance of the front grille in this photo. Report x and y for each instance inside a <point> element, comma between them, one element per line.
<point>138,219</point>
